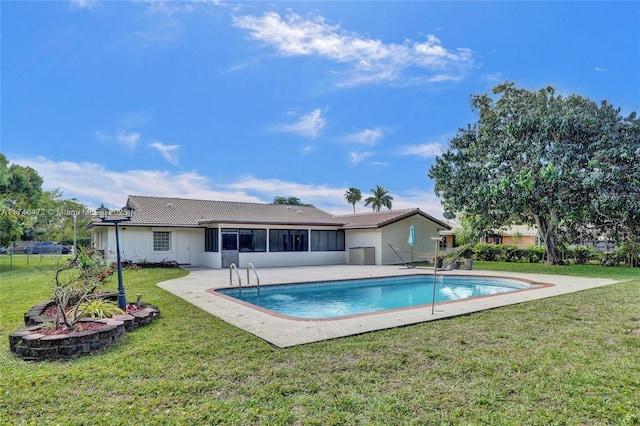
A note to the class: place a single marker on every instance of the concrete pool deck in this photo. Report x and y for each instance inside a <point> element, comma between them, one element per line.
<point>284,332</point>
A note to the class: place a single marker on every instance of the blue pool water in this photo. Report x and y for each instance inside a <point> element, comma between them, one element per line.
<point>332,299</point>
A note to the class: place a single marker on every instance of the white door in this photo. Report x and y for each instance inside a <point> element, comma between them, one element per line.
<point>183,247</point>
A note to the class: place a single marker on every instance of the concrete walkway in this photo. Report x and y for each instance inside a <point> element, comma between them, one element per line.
<point>284,332</point>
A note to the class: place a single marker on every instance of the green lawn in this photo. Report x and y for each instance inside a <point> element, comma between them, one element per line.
<point>570,360</point>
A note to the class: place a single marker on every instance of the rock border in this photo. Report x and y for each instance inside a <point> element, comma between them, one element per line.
<point>30,345</point>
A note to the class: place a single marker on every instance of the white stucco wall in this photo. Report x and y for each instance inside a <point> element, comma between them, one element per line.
<point>187,246</point>
<point>397,235</point>
<point>211,260</point>
<point>364,238</point>
<point>136,244</point>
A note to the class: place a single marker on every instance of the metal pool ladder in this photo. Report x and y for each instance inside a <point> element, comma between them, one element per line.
<point>250,266</point>
<point>231,269</point>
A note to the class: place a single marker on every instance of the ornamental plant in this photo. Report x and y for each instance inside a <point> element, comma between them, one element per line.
<point>96,308</point>
<point>75,285</point>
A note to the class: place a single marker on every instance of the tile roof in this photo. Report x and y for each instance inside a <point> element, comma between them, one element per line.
<point>380,219</point>
<point>170,211</point>
<point>182,211</point>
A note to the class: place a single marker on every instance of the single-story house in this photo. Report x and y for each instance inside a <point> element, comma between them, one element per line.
<point>218,233</point>
<point>518,235</point>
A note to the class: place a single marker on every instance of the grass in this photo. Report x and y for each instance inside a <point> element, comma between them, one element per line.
<point>570,360</point>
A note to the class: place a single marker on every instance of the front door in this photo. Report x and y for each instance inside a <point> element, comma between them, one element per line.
<point>183,249</point>
<point>229,248</point>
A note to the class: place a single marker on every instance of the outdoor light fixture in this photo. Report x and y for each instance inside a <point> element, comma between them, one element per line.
<point>103,214</point>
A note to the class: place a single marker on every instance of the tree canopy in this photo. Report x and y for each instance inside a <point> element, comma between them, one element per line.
<point>379,199</point>
<point>290,201</point>
<point>564,164</point>
<point>20,191</point>
<point>29,213</point>
<point>353,195</point>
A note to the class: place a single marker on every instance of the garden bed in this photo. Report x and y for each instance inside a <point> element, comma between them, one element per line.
<point>40,341</point>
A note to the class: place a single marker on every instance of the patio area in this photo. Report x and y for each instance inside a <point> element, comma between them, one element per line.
<point>284,332</point>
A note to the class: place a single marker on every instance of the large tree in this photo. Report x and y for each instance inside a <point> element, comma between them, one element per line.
<point>379,199</point>
<point>57,223</point>
<point>20,191</point>
<point>540,158</point>
<point>353,195</point>
<point>615,182</point>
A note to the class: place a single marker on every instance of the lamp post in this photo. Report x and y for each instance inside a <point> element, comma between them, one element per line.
<point>103,214</point>
<point>435,271</point>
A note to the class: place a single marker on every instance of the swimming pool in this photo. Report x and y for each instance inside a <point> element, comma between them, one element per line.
<point>333,299</point>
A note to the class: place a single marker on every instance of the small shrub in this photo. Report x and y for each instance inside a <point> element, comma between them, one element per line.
<point>583,255</point>
<point>466,252</point>
<point>487,252</point>
<point>534,254</point>
<point>509,253</point>
<point>630,251</point>
<point>97,308</point>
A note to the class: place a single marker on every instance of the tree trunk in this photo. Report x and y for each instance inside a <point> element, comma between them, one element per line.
<point>554,257</point>
<point>546,227</point>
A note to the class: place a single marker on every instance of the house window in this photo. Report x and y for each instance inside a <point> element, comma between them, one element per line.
<point>252,240</point>
<point>442,245</point>
<point>211,239</point>
<point>327,240</point>
<point>229,242</point>
<point>161,241</point>
<point>288,240</point>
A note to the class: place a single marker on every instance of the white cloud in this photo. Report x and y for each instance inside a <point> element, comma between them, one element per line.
<point>128,139</point>
<point>368,60</point>
<point>168,151</point>
<point>85,4</point>
<point>428,202</point>
<point>234,68</point>
<point>494,78</point>
<point>358,157</point>
<point>102,136</point>
<point>167,7</point>
<point>367,137</point>
<point>277,187</point>
<point>160,34</point>
<point>598,69</point>
<point>92,184</point>
<point>428,150</point>
<point>308,125</point>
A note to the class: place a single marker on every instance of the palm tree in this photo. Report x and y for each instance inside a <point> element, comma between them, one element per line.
<point>353,195</point>
<point>379,199</point>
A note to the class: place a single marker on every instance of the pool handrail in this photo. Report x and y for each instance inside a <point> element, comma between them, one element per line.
<point>231,268</point>
<point>250,266</point>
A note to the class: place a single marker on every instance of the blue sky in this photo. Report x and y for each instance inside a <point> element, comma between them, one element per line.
<point>248,101</point>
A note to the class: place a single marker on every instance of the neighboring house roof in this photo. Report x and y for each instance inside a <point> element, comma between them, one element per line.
<point>169,211</point>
